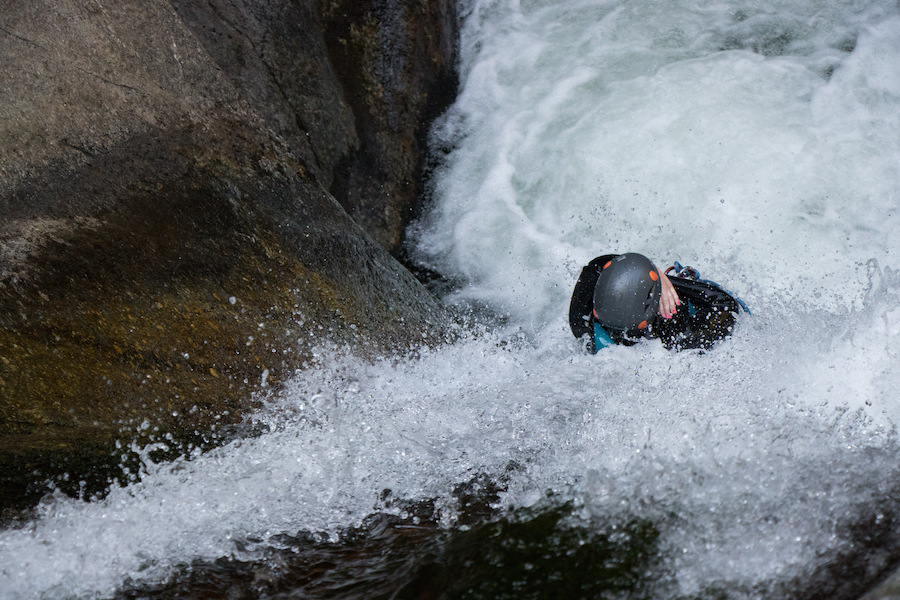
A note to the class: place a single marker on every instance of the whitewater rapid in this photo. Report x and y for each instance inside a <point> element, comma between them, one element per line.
<point>756,141</point>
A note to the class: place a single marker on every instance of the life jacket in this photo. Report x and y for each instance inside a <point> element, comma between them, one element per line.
<point>707,313</point>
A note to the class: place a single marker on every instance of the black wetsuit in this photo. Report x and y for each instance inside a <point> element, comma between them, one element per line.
<point>706,315</point>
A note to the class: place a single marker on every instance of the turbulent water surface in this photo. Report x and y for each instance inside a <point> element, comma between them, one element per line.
<point>756,141</point>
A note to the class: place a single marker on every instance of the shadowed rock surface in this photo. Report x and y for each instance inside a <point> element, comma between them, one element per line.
<point>357,119</point>
<point>169,240</point>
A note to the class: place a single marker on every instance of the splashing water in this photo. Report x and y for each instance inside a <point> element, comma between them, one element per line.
<point>759,142</point>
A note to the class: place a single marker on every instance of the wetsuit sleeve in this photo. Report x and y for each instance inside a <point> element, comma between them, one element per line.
<point>709,318</point>
<point>582,304</point>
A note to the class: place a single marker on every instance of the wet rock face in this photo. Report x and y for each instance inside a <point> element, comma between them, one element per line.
<point>352,85</point>
<point>274,54</point>
<point>168,241</point>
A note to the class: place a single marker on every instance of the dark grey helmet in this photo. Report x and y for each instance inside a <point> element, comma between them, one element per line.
<point>626,297</point>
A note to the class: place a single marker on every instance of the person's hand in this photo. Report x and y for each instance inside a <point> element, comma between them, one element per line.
<point>668,297</point>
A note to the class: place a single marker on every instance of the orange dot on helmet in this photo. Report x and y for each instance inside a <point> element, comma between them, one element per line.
<point>607,264</point>
<point>653,275</point>
<point>642,325</point>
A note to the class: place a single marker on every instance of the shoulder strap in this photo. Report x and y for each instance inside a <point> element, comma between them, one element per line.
<point>706,293</point>
<point>691,274</point>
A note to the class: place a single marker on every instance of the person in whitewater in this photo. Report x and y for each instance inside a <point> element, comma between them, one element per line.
<point>622,298</point>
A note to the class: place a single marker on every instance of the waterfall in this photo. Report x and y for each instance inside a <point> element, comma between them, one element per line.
<point>756,141</point>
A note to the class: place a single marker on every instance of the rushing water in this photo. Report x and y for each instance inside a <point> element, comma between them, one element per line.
<point>756,141</point>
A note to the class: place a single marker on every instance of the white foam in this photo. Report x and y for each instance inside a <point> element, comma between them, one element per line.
<point>738,442</point>
<point>616,133</point>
